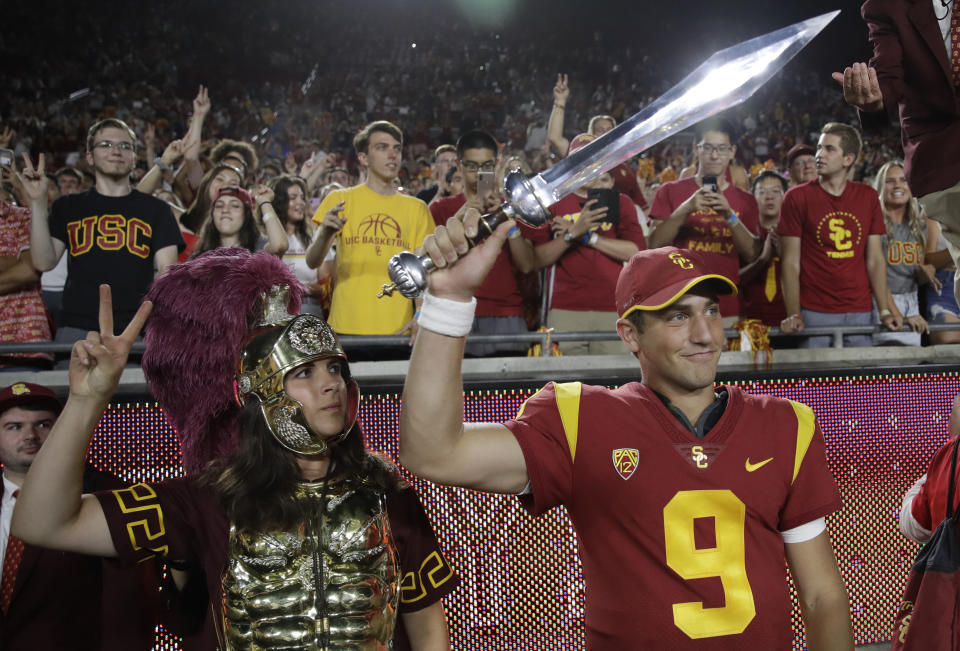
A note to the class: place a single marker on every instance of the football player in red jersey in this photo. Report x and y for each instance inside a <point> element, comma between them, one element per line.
<point>687,497</point>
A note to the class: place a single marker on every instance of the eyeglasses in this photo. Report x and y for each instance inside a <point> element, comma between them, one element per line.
<point>122,146</point>
<point>473,166</point>
<point>723,150</point>
<point>764,192</point>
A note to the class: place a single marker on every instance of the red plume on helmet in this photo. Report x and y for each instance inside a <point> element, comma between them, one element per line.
<point>202,314</point>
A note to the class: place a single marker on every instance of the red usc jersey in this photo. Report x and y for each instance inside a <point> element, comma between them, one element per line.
<point>679,537</point>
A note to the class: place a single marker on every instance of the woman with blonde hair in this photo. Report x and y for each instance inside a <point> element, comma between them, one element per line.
<point>904,244</point>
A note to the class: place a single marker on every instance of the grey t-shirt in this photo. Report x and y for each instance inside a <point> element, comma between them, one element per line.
<point>904,255</point>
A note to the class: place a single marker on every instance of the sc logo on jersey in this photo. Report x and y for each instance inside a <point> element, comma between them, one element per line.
<point>699,458</point>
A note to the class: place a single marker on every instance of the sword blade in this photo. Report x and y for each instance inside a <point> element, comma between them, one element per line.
<point>724,80</point>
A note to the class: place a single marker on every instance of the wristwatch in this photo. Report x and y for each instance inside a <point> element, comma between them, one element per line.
<point>569,239</point>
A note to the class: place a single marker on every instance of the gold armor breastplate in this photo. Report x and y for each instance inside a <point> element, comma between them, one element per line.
<point>331,584</point>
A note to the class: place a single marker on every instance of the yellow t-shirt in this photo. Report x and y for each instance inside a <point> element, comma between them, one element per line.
<point>377,227</point>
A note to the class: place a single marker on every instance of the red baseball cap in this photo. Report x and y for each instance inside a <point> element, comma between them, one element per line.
<point>239,193</point>
<point>25,393</point>
<point>799,150</point>
<point>655,278</point>
<point>579,141</point>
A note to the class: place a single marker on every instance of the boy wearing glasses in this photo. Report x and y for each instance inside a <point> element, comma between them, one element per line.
<point>499,303</point>
<point>112,233</point>
<point>707,214</point>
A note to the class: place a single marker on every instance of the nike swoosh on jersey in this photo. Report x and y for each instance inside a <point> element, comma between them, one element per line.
<point>754,466</point>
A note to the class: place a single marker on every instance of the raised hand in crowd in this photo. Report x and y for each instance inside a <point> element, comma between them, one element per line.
<point>332,221</point>
<point>332,224</point>
<point>312,170</point>
<point>201,104</point>
<point>861,88</point>
<point>262,195</point>
<point>190,176</point>
<point>193,137</point>
<point>561,92</point>
<point>277,243</point>
<point>34,182</point>
<point>6,137</point>
<point>97,362</point>
<point>172,153</point>
<point>153,179</point>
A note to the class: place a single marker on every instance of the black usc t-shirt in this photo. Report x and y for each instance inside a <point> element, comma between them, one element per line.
<point>110,240</point>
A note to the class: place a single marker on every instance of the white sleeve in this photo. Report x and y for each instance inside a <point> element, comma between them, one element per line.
<point>909,526</point>
<point>804,532</point>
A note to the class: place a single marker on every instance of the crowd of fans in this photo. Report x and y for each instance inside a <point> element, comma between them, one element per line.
<point>275,135</point>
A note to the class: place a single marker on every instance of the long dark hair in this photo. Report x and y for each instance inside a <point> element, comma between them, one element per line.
<point>281,201</point>
<point>257,485</point>
<point>196,215</point>
<point>210,236</point>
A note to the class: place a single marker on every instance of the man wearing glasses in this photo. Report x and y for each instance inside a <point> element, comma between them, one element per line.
<point>499,303</point>
<point>707,214</point>
<point>111,233</point>
<point>760,293</point>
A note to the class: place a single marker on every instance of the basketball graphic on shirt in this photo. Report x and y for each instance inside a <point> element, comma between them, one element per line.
<point>839,234</point>
<point>380,225</point>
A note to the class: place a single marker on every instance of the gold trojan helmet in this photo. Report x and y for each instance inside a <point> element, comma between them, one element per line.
<point>279,343</point>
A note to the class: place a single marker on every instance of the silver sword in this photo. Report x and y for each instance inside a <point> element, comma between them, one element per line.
<point>723,81</point>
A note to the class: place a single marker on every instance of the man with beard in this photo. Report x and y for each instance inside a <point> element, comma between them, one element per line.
<point>111,233</point>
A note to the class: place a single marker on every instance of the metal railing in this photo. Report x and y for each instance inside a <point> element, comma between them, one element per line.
<point>544,338</point>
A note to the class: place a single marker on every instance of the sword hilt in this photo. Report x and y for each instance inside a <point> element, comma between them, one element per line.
<point>408,271</point>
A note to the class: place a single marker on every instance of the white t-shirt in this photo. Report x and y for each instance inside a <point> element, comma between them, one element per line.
<point>296,258</point>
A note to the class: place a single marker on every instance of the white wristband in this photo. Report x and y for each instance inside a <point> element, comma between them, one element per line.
<point>447,317</point>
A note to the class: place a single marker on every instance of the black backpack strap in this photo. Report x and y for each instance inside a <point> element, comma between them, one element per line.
<point>953,470</point>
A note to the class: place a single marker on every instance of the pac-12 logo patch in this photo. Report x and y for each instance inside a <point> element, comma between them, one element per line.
<point>625,461</point>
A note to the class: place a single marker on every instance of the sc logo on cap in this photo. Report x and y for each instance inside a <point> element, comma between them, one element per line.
<point>19,389</point>
<point>678,258</point>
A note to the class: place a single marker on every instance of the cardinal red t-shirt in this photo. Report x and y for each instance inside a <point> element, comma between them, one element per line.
<point>707,232</point>
<point>584,279</point>
<point>498,295</point>
<point>833,234</point>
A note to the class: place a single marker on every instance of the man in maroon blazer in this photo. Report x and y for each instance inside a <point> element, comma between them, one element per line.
<point>52,600</point>
<point>914,77</point>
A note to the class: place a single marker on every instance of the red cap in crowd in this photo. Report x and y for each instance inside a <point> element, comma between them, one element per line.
<point>580,141</point>
<point>799,150</point>
<point>239,193</point>
<point>25,393</point>
<point>655,278</point>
